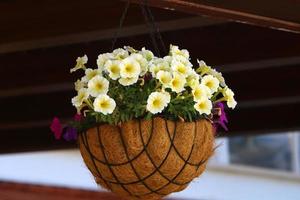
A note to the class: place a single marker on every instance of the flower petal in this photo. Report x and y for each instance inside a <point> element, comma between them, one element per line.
<point>70,134</point>
<point>56,128</point>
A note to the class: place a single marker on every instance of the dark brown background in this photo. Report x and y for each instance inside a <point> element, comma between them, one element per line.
<point>40,40</point>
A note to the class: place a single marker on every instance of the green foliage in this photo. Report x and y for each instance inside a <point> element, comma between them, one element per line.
<point>131,101</point>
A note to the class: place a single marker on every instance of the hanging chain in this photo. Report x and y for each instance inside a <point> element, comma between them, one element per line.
<point>151,31</point>
<point>121,22</point>
<point>150,21</point>
<point>155,27</point>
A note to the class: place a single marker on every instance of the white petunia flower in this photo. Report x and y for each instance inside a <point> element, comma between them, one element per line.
<point>203,106</point>
<point>130,49</point>
<point>164,77</point>
<point>219,76</point>
<point>204,69</point>
<point>81,96</point>
<point>201,92</point>
<point>79,85</point>
<point>128,81</point>
<point>211,82</point>
<point>231,103</point>
<point>130,68</point>
<point>113,69</point>
<point>201,63</point>
<point>148,55</point>
<point>180,68</point>
<point>142,61</point>
<point>177,83</point>
<point>228,93</point>
<point>90,73</point>
<point>98,85</point>
<point>104,104</point>
<point>154,69</point>
<point>168,59</point>
<point>102,58</point>
<point>168,96</point>
<point>158,65</point>
<point>174,50</point>
<point>120,53</point>
<point>80,63</point>
<point>192,79</point>
<point>229,96</point>
<point>157,101</point>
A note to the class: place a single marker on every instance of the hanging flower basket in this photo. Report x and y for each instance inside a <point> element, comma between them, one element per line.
<point>146,125</point>
<point>147,159</point>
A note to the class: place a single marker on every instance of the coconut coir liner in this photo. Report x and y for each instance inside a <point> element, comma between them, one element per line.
<point>147,159</point>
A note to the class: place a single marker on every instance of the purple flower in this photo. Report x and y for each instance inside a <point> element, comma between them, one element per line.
<point>70,134</point>
<point>220,119</point>
<point>56,128</point>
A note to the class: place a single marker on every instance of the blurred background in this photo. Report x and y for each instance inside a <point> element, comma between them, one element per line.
<point>255,44</point>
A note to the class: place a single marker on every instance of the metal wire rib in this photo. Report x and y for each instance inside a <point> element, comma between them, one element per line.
<point>127,162</point>
<point>157,168</point>
<point>180,171</point>
<point>91,157</point>
<point>173,145</point>
<point>133,168</point>
<point>133,182</point>
<point>109,166</point>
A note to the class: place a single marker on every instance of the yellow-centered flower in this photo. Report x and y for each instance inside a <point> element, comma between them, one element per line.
<point>164,77</point>
<point>203,106</point>
<point>200,92</point>
<point>113,69</point>
<point>129,68</point>
<point>104,104</point>
<point>180,68</point>
<point>157,101</point>
<point>142,61</point>
<point>98,85</point>
<point>177,83</point>
<point>211,82</point>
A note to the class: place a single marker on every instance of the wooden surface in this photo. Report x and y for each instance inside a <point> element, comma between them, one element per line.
<point>252,12</point>
<point>19,191</point>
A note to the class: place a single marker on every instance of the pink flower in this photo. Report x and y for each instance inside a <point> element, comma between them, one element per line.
<point>56,128</point>
<point>77,117</point>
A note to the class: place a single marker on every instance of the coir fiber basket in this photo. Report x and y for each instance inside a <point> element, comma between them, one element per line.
<point>147,159</point>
